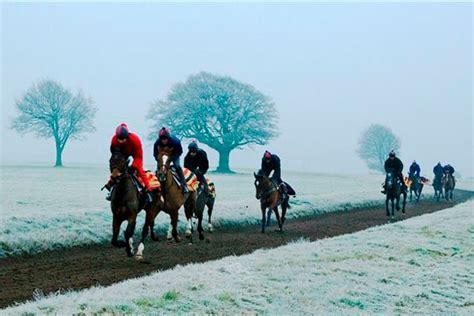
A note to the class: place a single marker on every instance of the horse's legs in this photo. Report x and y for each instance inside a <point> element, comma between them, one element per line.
<point>210,207</point>
<point>393,208</point>
<point>404,202</point>
<point>115,231</point>
<point>200,230</point>
<point>129,235</point>
<point>386,206</point>
<point>263,217</point>
<point>269,215</point>
<point>275,209</point>
<point>284,207</point>
<point>174,223</point>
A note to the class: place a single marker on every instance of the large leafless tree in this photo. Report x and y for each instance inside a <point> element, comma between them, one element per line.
<point>218,111</point>
<point>51,111</point>
<point>375,144</point>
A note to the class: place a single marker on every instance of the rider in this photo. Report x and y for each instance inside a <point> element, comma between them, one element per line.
<point>438,170</point>
<point>449,169</point>
<point>271,162</point>
<point>173,144</point>
<point>196,161</point>
<point>393,163</point>
<point>129,145</point>
<point>414,170</point>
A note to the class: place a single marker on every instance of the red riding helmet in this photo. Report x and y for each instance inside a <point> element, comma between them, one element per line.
<point>122,131</point>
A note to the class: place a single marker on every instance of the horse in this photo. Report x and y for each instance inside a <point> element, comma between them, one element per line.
<point>393,189</point>
<point>448,185</point>
<point>205,198</point>
<point>438,187</point>
<point>416,186</point>
<point>269,195</point>
<point>125,202</point>
<point>171,199</point>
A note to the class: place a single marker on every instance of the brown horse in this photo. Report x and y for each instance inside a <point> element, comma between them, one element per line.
<point>269,195</point>
<point>170,199</point>
<point>448,185</point>
<point>125,201</point>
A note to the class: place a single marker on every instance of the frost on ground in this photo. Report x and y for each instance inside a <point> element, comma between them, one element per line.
<point>44,208</point>
<point>421,265</point>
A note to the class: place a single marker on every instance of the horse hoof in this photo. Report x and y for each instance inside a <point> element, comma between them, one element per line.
<point>138,257</point>
<point>188,233</point>
<point>201,237</point>
<point>209,228</point>
<point>130,253</point>
<point>177,240</point>
<point>155,238</point>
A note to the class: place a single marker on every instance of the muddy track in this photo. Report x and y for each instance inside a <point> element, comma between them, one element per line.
<point>83,267</point>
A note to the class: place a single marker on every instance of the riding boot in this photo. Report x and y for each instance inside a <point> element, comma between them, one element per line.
<point>183,181</point>
<point>148,196</point>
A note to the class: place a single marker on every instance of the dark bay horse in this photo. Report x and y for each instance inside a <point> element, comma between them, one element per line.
<point>269,195</point>
<point>205,198</point>
<point>438,186</point>
<point>393,189</point>
<point>448,185</point>
<point>125,201</point>
<point>416,186</point>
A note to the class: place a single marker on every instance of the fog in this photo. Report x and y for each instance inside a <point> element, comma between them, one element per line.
<point>331,69</point>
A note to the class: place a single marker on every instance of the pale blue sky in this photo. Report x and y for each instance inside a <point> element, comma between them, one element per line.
<point>332,69</point>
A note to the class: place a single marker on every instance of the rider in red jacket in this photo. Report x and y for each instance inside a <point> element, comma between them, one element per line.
<point>130,145</point>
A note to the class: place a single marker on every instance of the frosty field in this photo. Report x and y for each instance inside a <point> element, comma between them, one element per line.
<point>46,208</point>
<point>421,265</point>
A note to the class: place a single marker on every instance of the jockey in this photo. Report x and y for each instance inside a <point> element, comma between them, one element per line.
<point>129,145</point>
<point>395,164</point>
<point>166,141</point>
<point>196,161</point>
<point>414,170</point>
<point>438,170</point>
<point>271,162</point>
<point>449,169</point>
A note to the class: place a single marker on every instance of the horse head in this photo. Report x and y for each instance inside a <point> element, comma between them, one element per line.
<point>164,162</point>
<point>262,185</point>
<point>118,164</point>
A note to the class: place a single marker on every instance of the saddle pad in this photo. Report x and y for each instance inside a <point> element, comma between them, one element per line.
<point>154,183</point>
<point>191,179</point>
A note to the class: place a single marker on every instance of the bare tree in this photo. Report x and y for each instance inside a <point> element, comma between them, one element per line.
<point>375,144</point>
<point>218,111</point>
<point>49,110</point>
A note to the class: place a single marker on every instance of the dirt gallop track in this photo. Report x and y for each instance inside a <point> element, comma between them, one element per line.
<point>80,268</point>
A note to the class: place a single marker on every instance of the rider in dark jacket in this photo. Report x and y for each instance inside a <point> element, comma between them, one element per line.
<point>271,162</point>
<point>414,170</point>
<point>438,170</point>
<point>196,161</point>
<point>169,142</point>
<point>395,165</point>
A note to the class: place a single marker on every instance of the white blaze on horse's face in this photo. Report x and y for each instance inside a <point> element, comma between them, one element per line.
<point>164,159</point>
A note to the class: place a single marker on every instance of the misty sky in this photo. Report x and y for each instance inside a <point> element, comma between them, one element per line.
<point>331,69</point>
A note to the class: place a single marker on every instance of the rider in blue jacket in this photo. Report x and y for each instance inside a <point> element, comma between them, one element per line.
<point>414,170</point>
